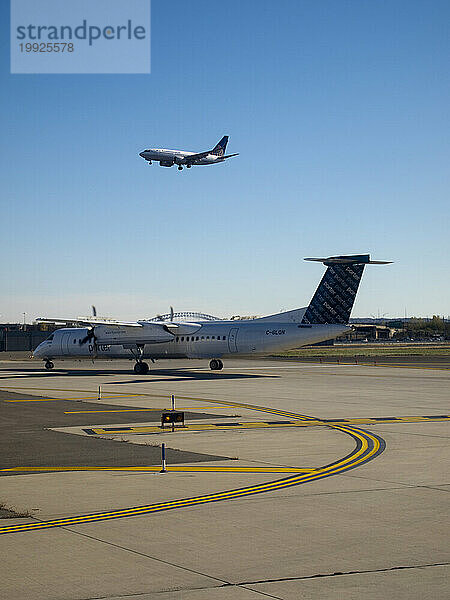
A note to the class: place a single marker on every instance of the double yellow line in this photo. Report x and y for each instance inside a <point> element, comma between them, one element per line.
<point>368,446</point>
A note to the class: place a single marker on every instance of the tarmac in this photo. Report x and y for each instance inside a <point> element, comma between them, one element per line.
<point>291,480</point>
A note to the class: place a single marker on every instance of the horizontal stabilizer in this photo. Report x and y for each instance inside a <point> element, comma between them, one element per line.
<point>351,259</point>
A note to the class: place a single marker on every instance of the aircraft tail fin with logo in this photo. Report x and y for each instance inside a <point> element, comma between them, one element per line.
<point>333,300</point>
<point>219,149</point>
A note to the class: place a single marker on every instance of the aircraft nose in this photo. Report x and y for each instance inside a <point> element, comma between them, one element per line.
<point>142,154</point>
<point>37,351</point>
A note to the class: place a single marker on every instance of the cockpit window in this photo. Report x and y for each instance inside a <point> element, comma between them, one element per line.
<point>50,337</point>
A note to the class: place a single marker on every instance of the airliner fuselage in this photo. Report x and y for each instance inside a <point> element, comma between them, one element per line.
<point>215,339</point>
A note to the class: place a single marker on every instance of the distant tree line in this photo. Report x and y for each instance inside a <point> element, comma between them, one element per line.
<point>417,328</point>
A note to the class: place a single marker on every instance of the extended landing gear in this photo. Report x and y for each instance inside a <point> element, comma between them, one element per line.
<point>216,364</point>
<point>180,168</point>
<point>188,166</point>
<point>149,162</point>
<point>141,368</point>
<point>49,365</point>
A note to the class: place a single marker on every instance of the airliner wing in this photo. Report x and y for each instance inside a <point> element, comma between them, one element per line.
<point>106,331</point>
<point>89,321</point>
<point>230,155</point>
<point>198,156</point>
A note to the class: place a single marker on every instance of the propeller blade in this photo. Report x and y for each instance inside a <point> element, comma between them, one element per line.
<point>94,311</point>
<point>171,313</point>
<point>89,336</point>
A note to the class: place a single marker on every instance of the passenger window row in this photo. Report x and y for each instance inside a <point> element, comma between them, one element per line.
<point>198,338</point>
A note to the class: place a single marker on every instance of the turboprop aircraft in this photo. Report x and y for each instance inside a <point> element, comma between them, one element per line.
<point>325,318</point>
<point>168,158</point>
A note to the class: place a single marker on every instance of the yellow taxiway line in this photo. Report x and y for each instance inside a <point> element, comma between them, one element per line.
<point>56,399</point>
<point>156,429</point>
<point>174,468</point>
<point>71,412</point>
<point>368,446</point>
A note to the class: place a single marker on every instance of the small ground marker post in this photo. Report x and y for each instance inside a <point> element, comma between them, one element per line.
<point>99,396</point>
<point>163,458</point>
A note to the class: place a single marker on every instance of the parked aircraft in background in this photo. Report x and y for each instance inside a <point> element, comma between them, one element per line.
<point>168,158</point>
<point>325,318</point>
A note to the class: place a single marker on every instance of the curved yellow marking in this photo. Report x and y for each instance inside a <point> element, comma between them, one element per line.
<point>358,456</point>
<point>353,459</point>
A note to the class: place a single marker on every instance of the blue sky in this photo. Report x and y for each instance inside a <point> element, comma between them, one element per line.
<point>340,113</point>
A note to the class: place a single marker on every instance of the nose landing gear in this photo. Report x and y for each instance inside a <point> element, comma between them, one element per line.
<point>49,365</point>
<point>216,364</point>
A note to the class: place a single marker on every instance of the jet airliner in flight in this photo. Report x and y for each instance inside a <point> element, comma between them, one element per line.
<point>325,318</point>
<point>169,158</point>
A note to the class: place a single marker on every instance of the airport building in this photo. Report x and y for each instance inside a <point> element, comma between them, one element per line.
<point>16,337</point>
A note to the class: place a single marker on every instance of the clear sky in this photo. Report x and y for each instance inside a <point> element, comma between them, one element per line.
<point>340,113</point>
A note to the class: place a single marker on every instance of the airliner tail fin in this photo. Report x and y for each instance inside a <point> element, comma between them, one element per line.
<point>334,298</point>
<point>219,149</point>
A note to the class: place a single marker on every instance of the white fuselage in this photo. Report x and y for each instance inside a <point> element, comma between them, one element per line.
<point>214,339</point>
<point>178,157</point>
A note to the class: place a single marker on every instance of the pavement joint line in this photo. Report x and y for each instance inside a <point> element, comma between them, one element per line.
<point>339,573</point>
<point>131,550</point>
<point>367,447</point>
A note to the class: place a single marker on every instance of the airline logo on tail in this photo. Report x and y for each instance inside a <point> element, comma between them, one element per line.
<point>333,300</point>
<point>219,149</point>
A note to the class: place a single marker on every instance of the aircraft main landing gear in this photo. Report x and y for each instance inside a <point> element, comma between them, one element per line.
<point>49,365</point>
<point>216,364</point>
<point>188,166</point>
<point>180,168</point>
<point>141,368</point>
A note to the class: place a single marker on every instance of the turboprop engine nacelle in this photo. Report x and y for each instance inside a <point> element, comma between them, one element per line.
<point>148,333</point>
<point>183,328</point>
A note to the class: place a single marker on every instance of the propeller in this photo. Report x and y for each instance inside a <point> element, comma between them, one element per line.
<point>94,311</point>
<point>90,336</point>
<point>162,317</point>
